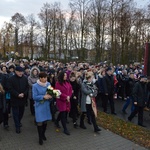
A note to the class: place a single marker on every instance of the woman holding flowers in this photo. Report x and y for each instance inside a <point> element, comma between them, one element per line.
<point>63,103</point>
<point>42,105</point>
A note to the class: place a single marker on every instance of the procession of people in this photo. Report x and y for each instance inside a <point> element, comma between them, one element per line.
<point>57,91</point>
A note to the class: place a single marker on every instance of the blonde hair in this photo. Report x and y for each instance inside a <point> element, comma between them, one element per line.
<point>1,89</point>
<point>88,75</point>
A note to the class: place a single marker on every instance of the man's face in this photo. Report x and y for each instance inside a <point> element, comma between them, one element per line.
<point>19,73</point>
<point>132,76</point>
<point>109,72</point>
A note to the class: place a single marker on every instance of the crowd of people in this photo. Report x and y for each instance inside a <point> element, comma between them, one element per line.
<point>82,87</point>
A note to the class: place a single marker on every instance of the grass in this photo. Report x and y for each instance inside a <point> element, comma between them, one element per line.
<point>128,130</point>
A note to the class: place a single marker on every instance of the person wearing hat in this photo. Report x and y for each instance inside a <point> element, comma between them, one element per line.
<point>108,83</point>
<point>18,87</point>
<point>140,98</point>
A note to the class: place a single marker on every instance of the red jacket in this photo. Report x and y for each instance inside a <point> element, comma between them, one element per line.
<point>115,80</point>
<point>66,90</point>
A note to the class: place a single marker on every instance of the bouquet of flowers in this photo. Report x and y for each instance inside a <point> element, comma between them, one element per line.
<point>53,92</point>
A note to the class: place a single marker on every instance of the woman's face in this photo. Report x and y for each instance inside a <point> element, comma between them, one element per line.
<point>72,79</point>
<point>103,73</point>
<point>4,69</point>
<point>43,80</point>
<point>35,72</point>
<point>90,79</point>
<point>65,77</point>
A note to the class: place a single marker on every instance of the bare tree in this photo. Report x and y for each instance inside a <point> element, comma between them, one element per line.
<point>7,40</point>
<point>32,33</point>
<point>99,24</point>
<point>18,21</point>
<point>82,10</point>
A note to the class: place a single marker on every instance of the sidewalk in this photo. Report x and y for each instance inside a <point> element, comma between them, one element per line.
<point>78,140</point>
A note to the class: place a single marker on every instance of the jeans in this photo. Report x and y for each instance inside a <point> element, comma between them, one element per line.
<point>17,115</point>
<point>129,99</point>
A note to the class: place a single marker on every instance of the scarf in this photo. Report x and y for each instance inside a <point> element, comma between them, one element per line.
<point>41,84</point>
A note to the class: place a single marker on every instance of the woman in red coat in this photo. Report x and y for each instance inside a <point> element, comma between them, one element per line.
<point>63,103</point>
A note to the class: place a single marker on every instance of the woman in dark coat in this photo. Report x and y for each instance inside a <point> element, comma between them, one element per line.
<point>74,98</point>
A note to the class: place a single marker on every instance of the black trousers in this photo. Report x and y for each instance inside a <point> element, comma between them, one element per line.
<point>92,116</point>
<point>109,98</point>
<point>17,115</point>
<point>5,114</point>
<point>1,116</point>
<point>62,117</point>
<point>138,110</point>
<point>32,110</point>
<point>74,110</point>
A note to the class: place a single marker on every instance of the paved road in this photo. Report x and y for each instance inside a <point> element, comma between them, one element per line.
<point>78,140</point>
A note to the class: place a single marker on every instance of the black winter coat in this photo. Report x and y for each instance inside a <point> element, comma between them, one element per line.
<point>75,88</point>
<point>3,81</point>
<point>18,85</point>
<point>140,93</point>
<point>108,83</point>
<point>2,101</point>
<point>129,87</point>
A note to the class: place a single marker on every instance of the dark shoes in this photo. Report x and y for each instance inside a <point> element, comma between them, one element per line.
<point>113,113</point>
<point>75,125</point>
<point>89,122</point>
<point>142,125</point>
<point>82,126</point>
<point>57,124</point>
<point>41,141</point>
<point>106,112</point>
<point>129,119</point>
<point>66,132</point>
<point>18,130</point>
<point>6,127</point>
<point>97,129</point>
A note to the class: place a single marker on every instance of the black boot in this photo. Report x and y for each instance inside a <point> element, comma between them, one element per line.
<point>97,129</point>
<point>44,129</point>
<point>82,121</point>
<point>75,125</point>
<point>40,133</point>
<point>57,124</point>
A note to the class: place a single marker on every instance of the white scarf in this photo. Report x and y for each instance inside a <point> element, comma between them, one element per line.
<point>41,83</point>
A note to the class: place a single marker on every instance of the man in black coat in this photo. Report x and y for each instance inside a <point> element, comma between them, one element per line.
<point>129,90</point>
<point>140,98</point>
<point>108,83</point>
<point>18,86</point>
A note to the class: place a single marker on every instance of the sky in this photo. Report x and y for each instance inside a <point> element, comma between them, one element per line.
<point>26,7</point>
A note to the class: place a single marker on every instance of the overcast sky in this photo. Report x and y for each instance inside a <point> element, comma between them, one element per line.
<point>9,7</point>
